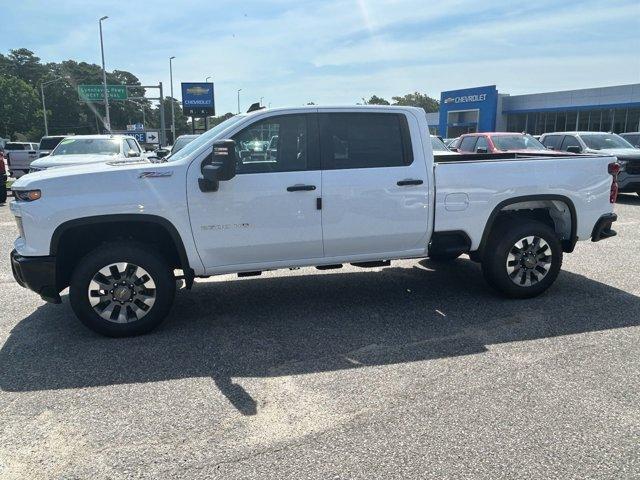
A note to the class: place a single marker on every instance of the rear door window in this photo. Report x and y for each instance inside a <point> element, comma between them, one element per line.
<point>468,144</point>
<point>570,141</point>
<point>364,140</point>
<point>552,141</point>
<point>482,145</point>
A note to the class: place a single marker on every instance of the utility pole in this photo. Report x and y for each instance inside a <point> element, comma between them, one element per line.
<point>173,114</point>
<point>163,126</point>
<point>44,106</point>
<point>239,90</point>
<point>104,79</point>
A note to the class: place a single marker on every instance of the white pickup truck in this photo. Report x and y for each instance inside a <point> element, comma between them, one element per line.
<point>354,185</point>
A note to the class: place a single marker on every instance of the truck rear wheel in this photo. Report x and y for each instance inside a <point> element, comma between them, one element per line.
<point>522,260</point>
<point>121,289</point>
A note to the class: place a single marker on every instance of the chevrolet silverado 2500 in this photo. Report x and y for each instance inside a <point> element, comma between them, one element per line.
<point>356,185</point>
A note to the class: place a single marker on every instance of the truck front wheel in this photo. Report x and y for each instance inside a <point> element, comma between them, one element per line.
<point>522,260</point>
<point>121,289</point>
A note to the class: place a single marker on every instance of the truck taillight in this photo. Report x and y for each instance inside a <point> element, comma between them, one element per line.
<point>614,169</point>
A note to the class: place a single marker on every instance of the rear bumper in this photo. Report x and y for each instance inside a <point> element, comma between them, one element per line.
<point>602,228</point>
<point>37,274</point>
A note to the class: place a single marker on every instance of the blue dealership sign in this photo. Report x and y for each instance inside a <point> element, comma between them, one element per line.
<point>197,99</point>
<point>468,110</point>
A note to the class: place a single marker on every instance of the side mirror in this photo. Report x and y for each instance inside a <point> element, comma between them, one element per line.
<point>133,153</point>
<point>574,149</point>
<point>219,166</point>
<point>481,150</point>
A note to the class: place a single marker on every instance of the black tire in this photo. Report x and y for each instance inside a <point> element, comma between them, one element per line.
<point>503,242</point>
<point>443,257</point>
<point>3,193</point>
<point>130,253</point>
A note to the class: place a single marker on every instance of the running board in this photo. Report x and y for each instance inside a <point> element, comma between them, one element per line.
<point>329,267</point>
<point>379,263</point>
<point>249,274</point>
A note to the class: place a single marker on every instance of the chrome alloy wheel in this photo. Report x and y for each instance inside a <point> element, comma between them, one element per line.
<point>529,261</point>
<point>122,292</point>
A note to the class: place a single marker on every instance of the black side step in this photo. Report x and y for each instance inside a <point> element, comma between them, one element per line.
<point>329,267</point>
<point>249,274</point>
<point>379,263</point>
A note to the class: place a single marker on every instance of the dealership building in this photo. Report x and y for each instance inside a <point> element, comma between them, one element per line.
<point>484,109</point>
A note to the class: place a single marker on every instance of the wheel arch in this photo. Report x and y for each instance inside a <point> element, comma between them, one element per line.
<point>533,203</point>
<point>120,225</point>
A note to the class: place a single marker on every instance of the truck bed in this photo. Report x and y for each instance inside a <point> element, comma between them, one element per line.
<point>469,188</point>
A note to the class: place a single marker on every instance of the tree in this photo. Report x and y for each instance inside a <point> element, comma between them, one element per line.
<point>375,100</point>
<point>417,99</point>
<point>22,63</point>
<point>19,106</point>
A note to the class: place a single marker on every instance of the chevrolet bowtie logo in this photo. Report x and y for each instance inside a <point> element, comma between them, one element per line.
<point>197,90</point>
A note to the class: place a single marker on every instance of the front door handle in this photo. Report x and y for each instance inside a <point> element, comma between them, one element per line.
<point>404,183</point>
<point>301,188</point>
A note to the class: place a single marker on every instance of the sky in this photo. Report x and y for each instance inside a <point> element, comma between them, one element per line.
<point>339,51</point>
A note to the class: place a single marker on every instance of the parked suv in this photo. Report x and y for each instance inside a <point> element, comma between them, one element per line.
<point>602,143</point>
<point>632,137</point>
<point>47,144</point>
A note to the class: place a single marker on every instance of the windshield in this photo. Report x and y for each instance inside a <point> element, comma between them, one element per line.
<point>516,142</point>
<point>182,142</point>
<point>80,146</point>
<point>438,145</point>
<point>607,140</point>
<point>204,138</point>
<point>49,143</point>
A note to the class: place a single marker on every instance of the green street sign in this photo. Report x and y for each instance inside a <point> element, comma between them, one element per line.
<point>95,93</point>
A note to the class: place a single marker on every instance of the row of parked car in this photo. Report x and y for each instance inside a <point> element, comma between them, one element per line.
<point>20,158</point>
<point>626,147</point>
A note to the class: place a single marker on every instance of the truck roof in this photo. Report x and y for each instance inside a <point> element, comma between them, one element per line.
<point>314,108</point>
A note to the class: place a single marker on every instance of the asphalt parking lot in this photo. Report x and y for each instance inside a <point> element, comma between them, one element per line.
<point>417,370</point>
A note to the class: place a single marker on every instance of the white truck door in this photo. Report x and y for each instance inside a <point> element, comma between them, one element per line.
<point>375,192</point>
<point>269,211</point>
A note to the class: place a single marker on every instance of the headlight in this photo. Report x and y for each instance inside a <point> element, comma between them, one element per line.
<point>27,195</point>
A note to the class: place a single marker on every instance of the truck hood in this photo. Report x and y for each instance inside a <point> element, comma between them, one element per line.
<point>68,160</point>
<point>621,153</point>
<point>84,169</point>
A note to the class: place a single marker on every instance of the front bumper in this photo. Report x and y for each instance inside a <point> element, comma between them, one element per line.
<point>37,274</point>
<point>602,228</point>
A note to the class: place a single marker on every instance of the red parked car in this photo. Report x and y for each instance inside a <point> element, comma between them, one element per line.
<point>501,142</point>
<point>3,178</point>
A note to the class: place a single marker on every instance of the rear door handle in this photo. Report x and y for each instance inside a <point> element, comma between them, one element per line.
<point>404,183</point>
<point>301,188</point>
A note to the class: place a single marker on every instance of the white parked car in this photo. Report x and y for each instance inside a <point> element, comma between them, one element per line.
<point>354,185</point>
<point>92,149</point>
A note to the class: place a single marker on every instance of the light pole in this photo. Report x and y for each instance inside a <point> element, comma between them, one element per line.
<point>44,107</point>
<point>173,114</point>
<point>207,79</point>
<point>239,90</point>
<point>261,100</point>
<point>104,79</point>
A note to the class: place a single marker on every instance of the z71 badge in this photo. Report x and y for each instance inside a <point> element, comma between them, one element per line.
<point>156,174</point>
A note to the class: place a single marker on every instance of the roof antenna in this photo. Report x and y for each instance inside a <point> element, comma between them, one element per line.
<point>255,107</point>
